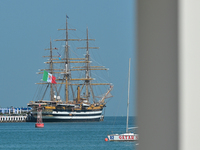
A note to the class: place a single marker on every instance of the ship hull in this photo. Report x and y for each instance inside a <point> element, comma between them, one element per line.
<point>68,116</point>
<point>67,120</point>
<point>123,137</point>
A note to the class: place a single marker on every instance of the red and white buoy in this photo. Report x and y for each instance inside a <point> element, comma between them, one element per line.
<point>39,123</point>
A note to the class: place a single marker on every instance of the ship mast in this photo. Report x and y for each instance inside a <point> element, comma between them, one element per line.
<point>87,69</point>
<point>51,71</point>
<point>66,64</point>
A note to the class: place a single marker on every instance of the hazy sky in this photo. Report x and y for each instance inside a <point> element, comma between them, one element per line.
<point>27,26</point>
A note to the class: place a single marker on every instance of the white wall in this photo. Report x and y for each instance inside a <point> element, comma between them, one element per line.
<point>189,65</point>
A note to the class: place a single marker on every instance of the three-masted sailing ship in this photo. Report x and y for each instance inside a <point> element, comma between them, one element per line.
<point>84,105</point>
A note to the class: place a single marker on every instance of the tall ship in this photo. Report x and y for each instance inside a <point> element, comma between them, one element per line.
<point>73,93</point>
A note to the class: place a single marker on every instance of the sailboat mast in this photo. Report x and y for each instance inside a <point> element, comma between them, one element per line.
<point>66,64</point>
<point>128,96</point>
<point>51,71</point>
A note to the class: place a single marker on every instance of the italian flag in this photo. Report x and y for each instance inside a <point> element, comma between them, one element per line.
<point>49,77</point>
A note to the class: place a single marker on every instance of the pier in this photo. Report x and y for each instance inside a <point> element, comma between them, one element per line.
<point>12,119</point>
<point>13,114</point>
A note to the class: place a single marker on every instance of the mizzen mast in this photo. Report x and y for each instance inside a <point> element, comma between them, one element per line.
<point>87,67</point>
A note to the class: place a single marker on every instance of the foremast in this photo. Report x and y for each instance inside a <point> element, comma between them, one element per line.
<point>50,70</point>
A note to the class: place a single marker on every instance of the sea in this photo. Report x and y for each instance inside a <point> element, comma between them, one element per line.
<point>65,136</point>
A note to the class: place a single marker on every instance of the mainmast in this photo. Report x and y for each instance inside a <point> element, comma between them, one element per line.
<point>66,64</point>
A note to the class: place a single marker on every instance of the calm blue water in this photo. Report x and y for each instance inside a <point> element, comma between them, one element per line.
<point>73,136</point>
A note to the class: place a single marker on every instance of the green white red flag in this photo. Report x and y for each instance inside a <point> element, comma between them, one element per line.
<point>49,77</point>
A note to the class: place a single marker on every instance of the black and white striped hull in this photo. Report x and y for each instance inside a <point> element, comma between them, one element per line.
<point>71,116</point>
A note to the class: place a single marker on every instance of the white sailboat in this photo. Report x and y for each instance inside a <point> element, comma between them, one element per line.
<point>128,136</point>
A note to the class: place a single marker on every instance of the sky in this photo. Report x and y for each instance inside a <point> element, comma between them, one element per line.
<point>25,31</point>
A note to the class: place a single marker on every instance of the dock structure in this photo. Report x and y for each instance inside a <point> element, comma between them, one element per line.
<point>14,110</point>
<point>14,114</point>
<point>13,119</point>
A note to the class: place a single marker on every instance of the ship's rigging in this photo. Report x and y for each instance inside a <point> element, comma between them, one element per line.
<point>65,75</point>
